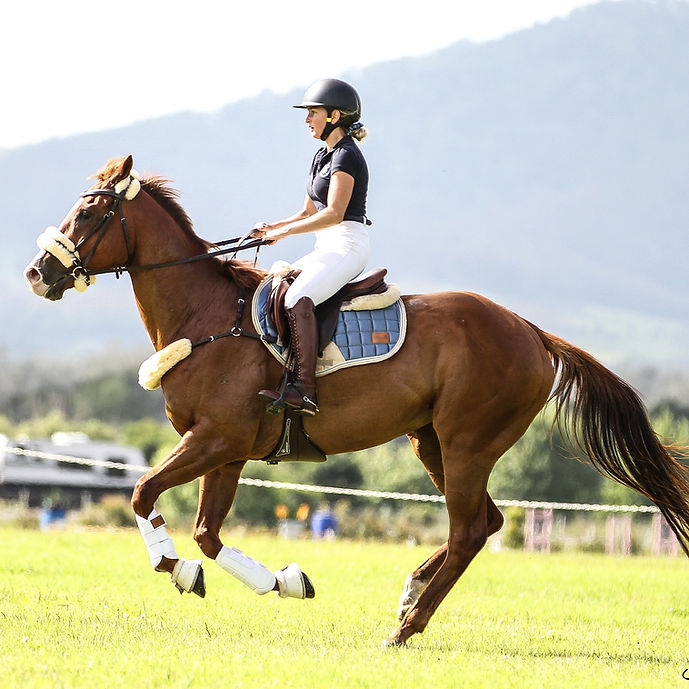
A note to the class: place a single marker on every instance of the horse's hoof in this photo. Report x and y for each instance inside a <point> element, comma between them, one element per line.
<point>293,583</point>
<point>393,643</point>
<point>308,586</point>
<point>200,585</point>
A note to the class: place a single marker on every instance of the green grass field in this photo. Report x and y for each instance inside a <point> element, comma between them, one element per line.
<point>86,610</point>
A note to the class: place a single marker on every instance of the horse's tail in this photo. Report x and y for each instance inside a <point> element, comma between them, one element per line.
<point>604,417</point>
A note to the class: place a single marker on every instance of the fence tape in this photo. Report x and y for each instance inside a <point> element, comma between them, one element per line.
<point>332,490</point>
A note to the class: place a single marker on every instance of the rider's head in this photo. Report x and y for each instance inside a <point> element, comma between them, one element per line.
<point>342,106</point>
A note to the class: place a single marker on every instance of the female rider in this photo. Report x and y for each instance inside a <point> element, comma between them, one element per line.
<point>335,210</point>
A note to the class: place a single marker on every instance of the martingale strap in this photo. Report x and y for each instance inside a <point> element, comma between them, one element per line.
<point>157,365</point>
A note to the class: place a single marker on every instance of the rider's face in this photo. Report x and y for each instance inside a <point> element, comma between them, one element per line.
<point>316,121</point>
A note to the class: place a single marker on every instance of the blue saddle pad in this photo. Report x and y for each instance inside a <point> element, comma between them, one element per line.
<point>361,337</point>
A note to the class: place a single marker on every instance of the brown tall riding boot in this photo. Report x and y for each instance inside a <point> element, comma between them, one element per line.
<point>300,393</point>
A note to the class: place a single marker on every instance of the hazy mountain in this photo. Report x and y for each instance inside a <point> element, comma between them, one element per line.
<point>547,170</point>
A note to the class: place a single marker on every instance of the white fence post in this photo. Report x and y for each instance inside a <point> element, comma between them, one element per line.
<point>664,539</point>
<point>538,527</point>
<point>618,528</point>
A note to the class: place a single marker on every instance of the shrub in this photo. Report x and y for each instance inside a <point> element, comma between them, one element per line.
<point>514,527</point>
<point>112,510</point>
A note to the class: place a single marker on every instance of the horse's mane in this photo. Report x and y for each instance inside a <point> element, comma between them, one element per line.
<point>243,274</point>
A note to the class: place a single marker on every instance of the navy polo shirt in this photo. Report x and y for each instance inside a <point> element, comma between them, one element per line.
<point>347,157</point>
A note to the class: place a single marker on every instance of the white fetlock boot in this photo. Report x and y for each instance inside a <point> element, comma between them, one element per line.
<point>293,583</point>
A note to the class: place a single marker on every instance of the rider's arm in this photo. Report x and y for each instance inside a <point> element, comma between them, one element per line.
<point>308,209</point>
<point>339,195</point>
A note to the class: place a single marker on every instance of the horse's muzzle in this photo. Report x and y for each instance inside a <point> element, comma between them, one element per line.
<point>40,286</point>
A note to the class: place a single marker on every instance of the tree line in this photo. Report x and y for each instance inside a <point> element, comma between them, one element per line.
<point>111,406</point>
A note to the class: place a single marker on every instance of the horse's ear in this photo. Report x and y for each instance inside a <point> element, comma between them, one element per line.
<point>115,170</point>
<point>127,165</point>
<point>120,170</point>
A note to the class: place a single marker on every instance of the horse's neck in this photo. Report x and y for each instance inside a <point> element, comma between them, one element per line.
<point>179,301</point>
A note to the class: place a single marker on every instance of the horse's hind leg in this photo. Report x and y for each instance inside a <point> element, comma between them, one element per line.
<point>473,515</point>
<point>468,534</point>
<point>216,495</point>
<point>417,580</point>
<point>426,446</point>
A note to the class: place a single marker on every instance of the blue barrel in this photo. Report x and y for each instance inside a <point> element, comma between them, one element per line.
<point>50,516</point>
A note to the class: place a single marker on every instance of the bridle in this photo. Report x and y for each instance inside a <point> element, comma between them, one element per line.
<point>61,247</point>
<point>99,232</point>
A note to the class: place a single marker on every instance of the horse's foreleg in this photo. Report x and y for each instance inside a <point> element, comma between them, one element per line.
<point>216,494</point>
<point>198,452</point>
<point>186,575</point>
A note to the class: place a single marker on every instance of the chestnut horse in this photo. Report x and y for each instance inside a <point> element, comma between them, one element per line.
<point>465,386</point>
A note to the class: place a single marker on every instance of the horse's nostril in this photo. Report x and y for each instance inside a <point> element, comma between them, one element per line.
<point>32,275</point>
<point>35,279</point>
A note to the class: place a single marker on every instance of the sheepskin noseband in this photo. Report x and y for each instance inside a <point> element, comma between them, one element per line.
<point>62,248</point>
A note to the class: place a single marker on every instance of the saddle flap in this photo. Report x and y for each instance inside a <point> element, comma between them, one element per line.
<point>275,306</point>
<point>359,336</point>
<point>327,313</point>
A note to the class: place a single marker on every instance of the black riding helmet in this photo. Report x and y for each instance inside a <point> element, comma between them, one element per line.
<point>333,94</point>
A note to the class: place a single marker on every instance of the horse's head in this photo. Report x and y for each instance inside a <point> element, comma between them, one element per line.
<point>68,255</point>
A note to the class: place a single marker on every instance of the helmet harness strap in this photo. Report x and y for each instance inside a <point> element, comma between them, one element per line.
<point>330,127</point>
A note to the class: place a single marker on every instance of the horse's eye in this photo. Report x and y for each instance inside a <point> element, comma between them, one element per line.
<point>84,214</point>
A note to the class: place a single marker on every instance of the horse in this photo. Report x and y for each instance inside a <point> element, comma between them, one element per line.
<point>467,383</point>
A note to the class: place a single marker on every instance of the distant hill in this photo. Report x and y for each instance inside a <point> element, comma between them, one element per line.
<point>547,170</point>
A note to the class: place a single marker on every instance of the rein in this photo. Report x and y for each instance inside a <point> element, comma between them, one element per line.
<point>127,268</point>
<point>60,246</point>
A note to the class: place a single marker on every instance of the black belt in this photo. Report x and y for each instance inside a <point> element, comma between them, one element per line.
<point>359,218</point>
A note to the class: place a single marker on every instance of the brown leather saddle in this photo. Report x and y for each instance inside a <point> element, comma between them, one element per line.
<point>371,282</point>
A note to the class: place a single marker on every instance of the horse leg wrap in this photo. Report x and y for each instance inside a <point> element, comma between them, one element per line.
<point>156,538</point>
<point>250,572</point>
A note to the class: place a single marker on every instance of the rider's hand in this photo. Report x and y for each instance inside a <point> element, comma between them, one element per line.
<point>279,233</point>
<point>260,229</point>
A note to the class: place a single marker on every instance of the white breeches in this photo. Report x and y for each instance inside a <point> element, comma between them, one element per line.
<point>339,255</point>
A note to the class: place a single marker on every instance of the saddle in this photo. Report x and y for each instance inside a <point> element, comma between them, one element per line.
<point>327,313</point>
